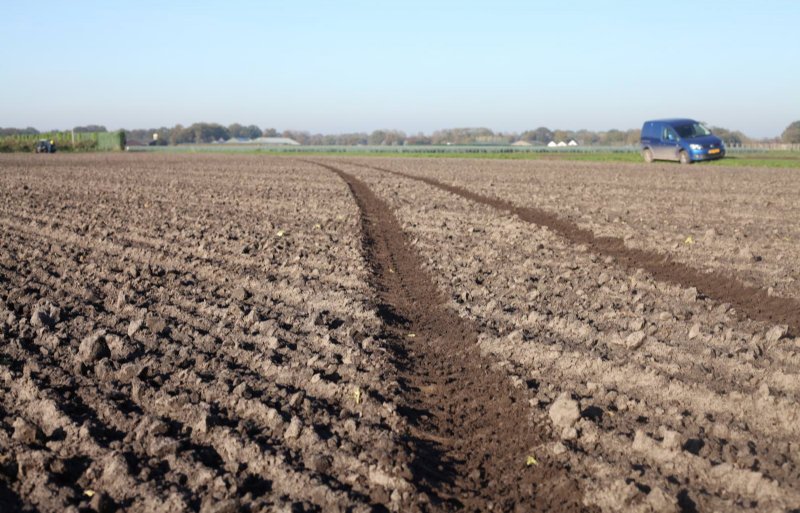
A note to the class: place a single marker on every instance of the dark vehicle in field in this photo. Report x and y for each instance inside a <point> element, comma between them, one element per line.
<point>684,140</point>
<point>45,146</point>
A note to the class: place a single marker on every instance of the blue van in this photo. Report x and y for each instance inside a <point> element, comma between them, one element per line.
<point>684,140</point>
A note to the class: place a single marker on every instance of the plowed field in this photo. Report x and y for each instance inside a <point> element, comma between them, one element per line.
<point>225,333</point>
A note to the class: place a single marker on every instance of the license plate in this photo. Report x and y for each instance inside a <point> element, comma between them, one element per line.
<point>715,150</point>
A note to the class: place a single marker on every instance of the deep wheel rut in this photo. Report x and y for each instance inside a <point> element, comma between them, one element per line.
<point>753,302</point>
<point>475,443</point>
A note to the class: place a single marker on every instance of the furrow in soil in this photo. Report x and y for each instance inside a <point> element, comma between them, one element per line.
<point>684,404</point>
<point>750,301</point>
<point>475,443</point>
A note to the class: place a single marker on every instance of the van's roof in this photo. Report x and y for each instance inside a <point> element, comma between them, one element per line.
<point>672,121</point>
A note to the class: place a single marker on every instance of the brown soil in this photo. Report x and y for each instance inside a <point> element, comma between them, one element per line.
<point>471,430</point>
<point>222,333</point>
<point>753,302</point>
<point>735,221</point>
<point>190,334</point>
<point>686,405</point>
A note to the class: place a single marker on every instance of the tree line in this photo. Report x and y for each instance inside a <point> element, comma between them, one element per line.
<point>204,133</point>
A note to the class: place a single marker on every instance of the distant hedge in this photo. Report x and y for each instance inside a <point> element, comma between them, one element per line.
<point>66,141</point>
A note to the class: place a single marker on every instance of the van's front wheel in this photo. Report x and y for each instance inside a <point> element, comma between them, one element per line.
<point>648,155</point>
<point>684,157</point>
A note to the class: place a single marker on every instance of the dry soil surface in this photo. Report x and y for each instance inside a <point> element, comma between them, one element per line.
<point>185,333</point>
<point>685,403</point>
<point>224,333</point>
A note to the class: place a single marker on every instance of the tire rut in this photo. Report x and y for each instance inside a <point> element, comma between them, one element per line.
<point>471,432</point>
<point>752,302</point>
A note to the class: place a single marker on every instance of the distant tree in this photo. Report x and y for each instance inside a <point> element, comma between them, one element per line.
<point>527,136</point>
<point>561,135</point>
<point>137,134</point>
<point>507,137</point>
<point>180,135</point>
<point>586,137</point>
<point>236,131</point>
<point>738,137</point>
<point>613,137</point>
<point>467,135</point>
<point>792,133</point>
<point>418,139</point>
<point>247,132</point>
<point>4,132</point>
<point>253,132</point>
<point>541,135</point>
<point>633,136</point>
<point>352,139</point>
<point>208,132</point>
<point>316,140</point>
<point>728,136</point>
<point>163,133</point>
<point>89,128</point>
<point>491,138</point>
<point>394,138</point>
<point>300,136</point>
<point>441,137</point>
<point>377,137</point>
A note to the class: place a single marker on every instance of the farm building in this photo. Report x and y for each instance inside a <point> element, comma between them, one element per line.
<point>521,143</point>
<point>264,141</point>
<point>276,141</point>
<point>134,144</point>
<point>562,144</point>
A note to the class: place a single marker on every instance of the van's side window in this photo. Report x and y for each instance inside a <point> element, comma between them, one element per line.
<point>667,134</point>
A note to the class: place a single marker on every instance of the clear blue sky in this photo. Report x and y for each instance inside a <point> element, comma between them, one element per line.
<point>343,66</point>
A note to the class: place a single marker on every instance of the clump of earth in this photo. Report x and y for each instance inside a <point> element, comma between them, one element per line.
<point>251,333</point>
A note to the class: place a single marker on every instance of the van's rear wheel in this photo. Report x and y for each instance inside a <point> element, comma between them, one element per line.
<point>648,155</point>
<point>684,157</point>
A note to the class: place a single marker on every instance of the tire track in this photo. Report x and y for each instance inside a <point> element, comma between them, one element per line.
<point>471,432</point>
<point>752,302</point>
<point>671,384</point>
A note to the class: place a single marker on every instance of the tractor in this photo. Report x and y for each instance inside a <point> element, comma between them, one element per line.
<point>45,146</point>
